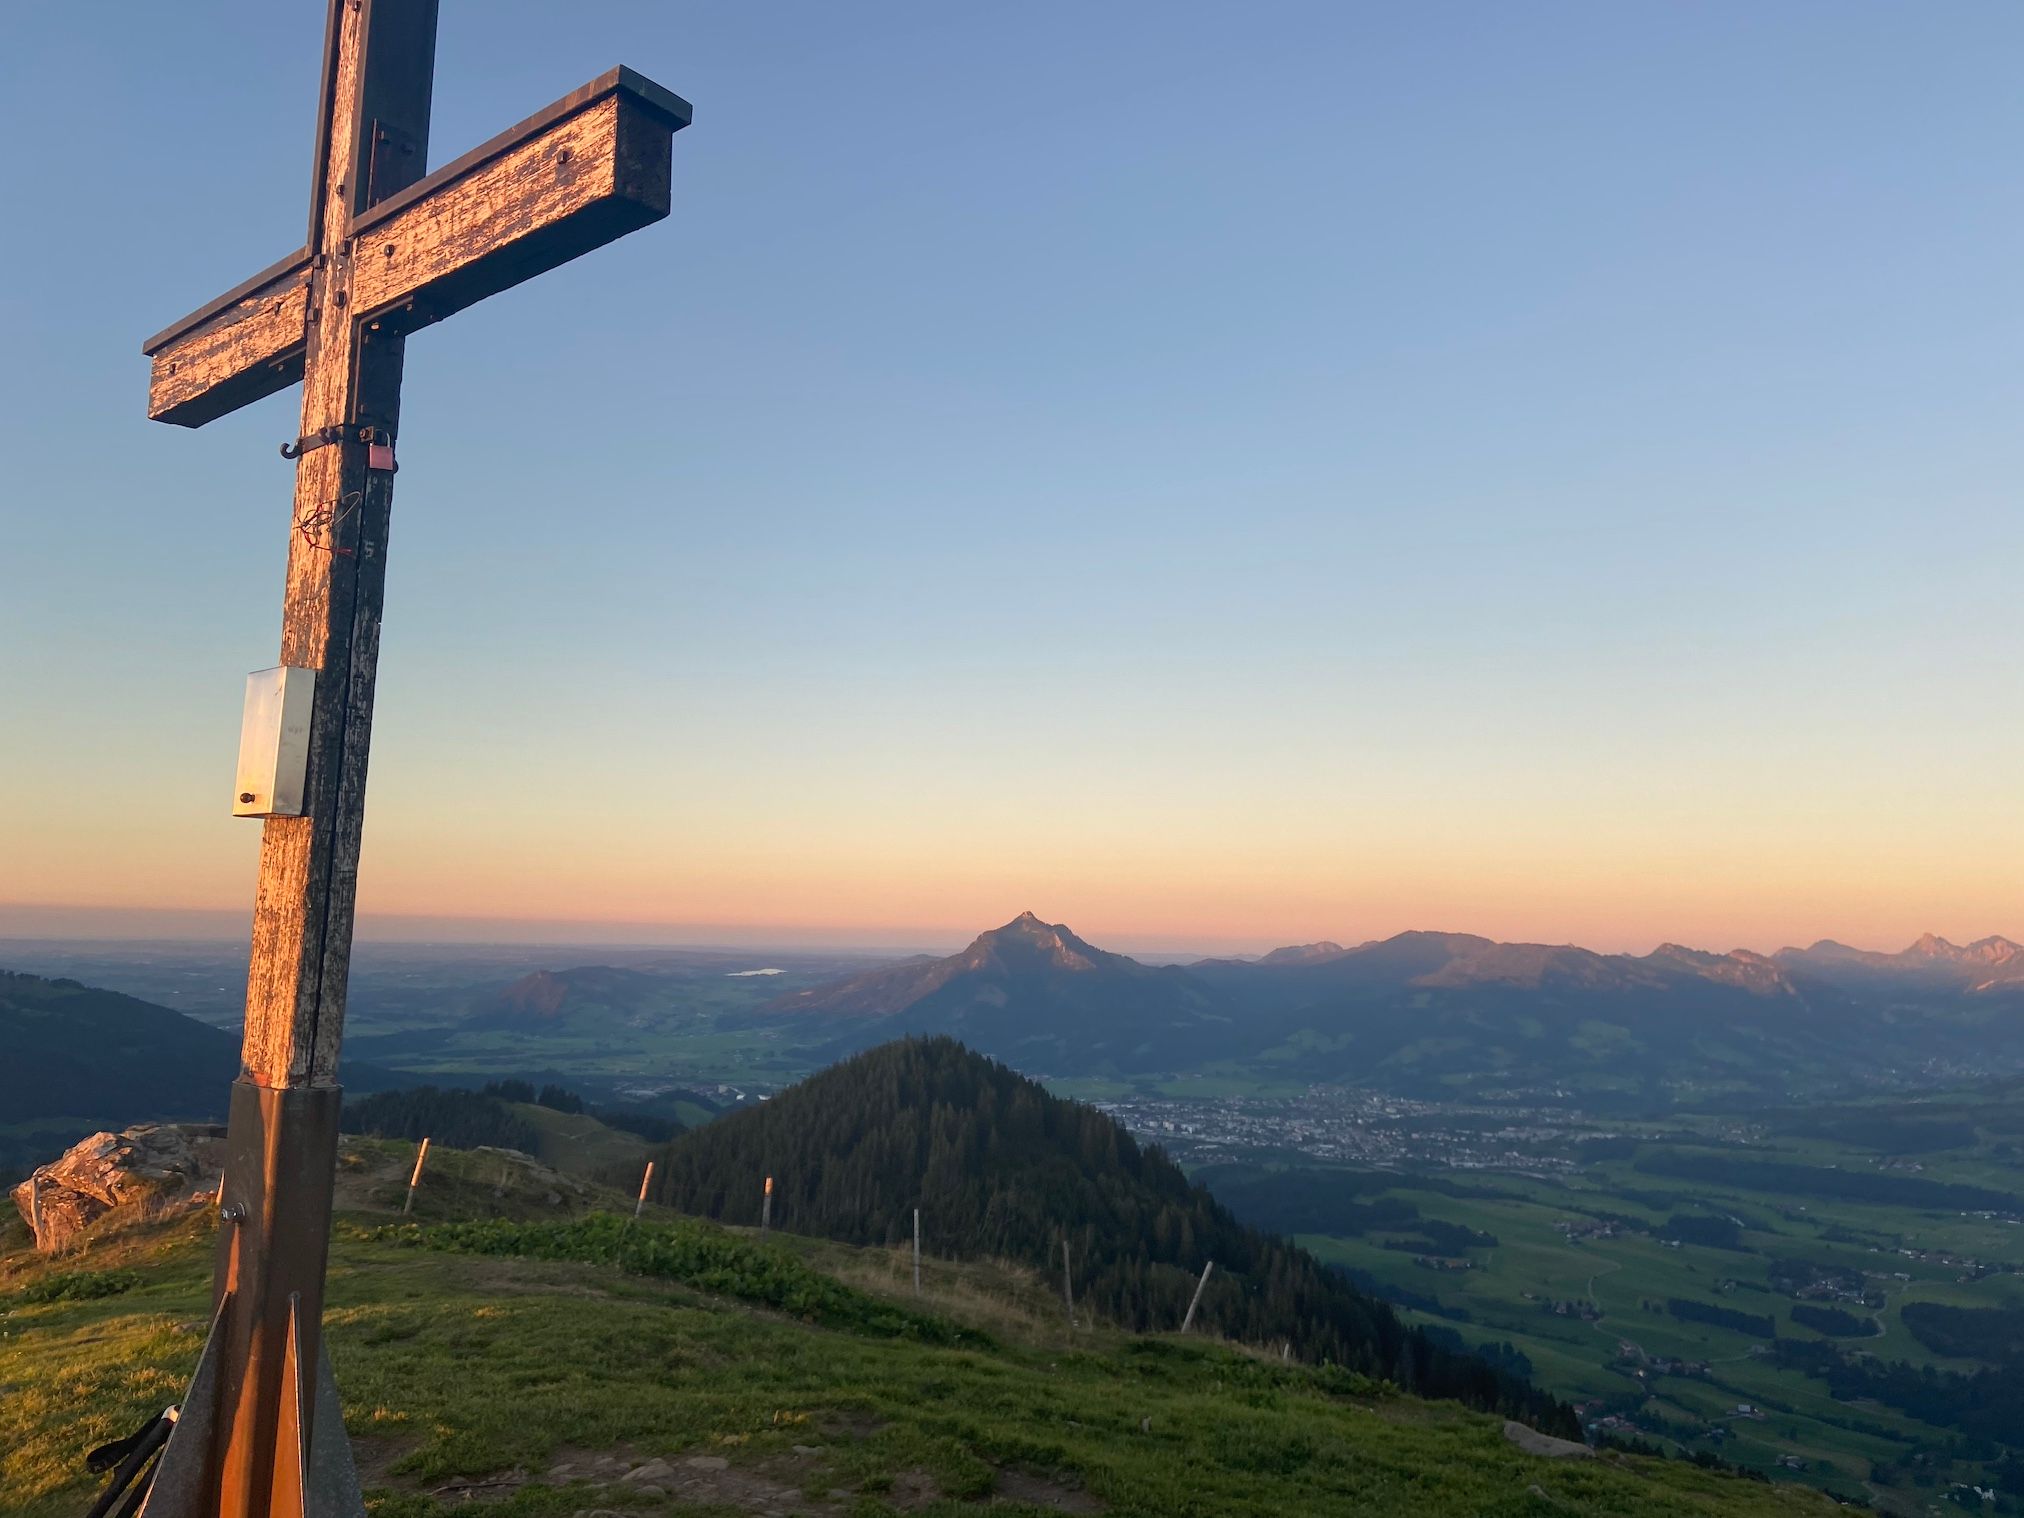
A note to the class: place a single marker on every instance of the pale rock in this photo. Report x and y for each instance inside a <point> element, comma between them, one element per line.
<point>1533,1442</point>
<point>154,1163</point>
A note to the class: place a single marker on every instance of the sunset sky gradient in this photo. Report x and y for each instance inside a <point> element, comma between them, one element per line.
<point>1217,476</point>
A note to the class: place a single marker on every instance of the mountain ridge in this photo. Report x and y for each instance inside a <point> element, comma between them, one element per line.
<point>1441,1013</point>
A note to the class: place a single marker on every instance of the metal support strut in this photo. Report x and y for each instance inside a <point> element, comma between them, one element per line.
<point>261,1422</point>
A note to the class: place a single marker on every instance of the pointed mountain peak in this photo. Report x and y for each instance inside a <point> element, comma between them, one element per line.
<point>1679,951</point>
<point>1027,935</point>
<point>1932,946</point>
<point>1028,927</point>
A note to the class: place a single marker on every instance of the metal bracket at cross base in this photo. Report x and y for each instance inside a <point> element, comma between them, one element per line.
<point>261,1419</point>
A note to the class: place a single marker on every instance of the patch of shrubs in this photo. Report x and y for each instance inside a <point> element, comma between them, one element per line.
<point>77,1286</point>
<point>695,1254</point>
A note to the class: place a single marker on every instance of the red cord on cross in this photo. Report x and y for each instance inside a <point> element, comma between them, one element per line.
<point>315,521</point>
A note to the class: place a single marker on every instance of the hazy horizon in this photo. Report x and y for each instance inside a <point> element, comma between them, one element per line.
<point>29,922</point>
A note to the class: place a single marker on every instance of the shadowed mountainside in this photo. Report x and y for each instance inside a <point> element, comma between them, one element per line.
<point>74,1059</point>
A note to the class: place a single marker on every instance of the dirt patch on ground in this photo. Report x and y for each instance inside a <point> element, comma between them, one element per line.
<point>852,1425</point>
<point>375,1457</point>
<point>912,1490</point>
<point>712,1481</point>
<point>480,1490</point>
<point>624,1478</point>
<point>1044,1491</point>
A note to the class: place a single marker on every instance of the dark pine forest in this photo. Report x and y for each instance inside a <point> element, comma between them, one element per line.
<point>1001,1168</point>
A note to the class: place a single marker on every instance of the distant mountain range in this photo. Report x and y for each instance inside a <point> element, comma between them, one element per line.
<point>1449,1016</point>
<point>1986,966</point>
<point>1454,1014</point>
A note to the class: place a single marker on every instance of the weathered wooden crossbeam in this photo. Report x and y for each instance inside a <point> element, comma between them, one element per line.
<point>590,168</point>
<point>261,1433</point>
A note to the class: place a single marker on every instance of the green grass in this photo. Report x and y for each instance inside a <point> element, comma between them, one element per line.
<point>578,1142</point>
<point>492,1351</point>
<point>694,1253</point>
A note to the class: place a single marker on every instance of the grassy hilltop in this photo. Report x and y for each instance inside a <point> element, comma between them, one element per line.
<point>519,1347</point>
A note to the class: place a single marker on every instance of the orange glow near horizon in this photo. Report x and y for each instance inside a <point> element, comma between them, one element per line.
<point>1188,889</point>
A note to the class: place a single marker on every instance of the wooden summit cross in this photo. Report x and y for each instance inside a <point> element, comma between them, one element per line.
<point>390,250</point>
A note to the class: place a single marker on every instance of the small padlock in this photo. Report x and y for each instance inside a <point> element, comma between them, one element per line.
<point>380,454</point>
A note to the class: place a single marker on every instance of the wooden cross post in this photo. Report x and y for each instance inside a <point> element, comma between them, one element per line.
<point>390,250</point>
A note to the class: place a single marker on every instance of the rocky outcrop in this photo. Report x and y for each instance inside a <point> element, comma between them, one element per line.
<point>154,1165</point>
<point>1533,1442</point>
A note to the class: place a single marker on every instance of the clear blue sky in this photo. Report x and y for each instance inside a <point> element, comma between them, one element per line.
<point>1232,473</point>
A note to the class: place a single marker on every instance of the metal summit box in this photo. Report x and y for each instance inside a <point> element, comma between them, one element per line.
<point>274,742</point>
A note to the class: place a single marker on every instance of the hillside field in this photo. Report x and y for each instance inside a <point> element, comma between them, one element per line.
<point>788,1376</point>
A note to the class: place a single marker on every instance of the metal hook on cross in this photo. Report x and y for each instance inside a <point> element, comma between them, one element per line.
<point>379,443</point>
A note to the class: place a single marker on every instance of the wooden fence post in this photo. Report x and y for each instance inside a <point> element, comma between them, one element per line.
<point>1196,1301</point>
<point>917,1251</point>
<point>1067,1282</point>
<point>645,1181</point>
<point>766,1209</point>
<point>415,1179</point>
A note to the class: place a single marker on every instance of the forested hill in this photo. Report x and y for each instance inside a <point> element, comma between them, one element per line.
<point>1001,1168</point>
<point>73,1058</point>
